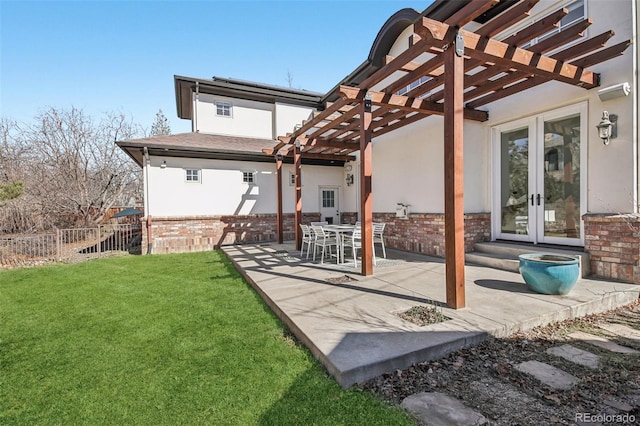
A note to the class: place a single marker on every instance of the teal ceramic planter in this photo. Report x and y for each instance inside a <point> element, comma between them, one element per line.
<point>549,273</point>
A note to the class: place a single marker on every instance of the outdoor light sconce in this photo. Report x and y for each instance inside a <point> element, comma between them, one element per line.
<point>349,179</point>
<point>164,164</point>
<point>608,127</point>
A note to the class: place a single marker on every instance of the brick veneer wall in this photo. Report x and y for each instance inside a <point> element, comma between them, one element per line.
<point>424,232</point>
<point>613,242</point>
<point>421,232</point>
<point>201,233</point>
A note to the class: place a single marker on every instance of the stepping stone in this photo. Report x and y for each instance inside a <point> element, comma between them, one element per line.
<point>434,408</point>
<point>619,405</point>
<point>601,342</point>
<point>622,331</point>
<point>548,374</point>
<point>575,355</point>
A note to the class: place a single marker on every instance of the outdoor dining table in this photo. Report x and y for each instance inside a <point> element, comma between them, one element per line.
<point>340,230</point>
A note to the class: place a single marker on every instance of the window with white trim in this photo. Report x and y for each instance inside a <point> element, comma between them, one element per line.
<point>192,175</point>
<point>576,14</point>
<point>223,109</point>
<point>415,84</point>
<point>248,177</point>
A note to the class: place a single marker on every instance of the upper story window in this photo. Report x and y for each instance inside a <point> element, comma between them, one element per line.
<point>248,177</point>
<point>413,85</point>
<point>576,14</point>
<point>192,175</point>
<point>223,109</point>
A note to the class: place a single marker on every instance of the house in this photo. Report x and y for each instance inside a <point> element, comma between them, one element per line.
<point>215,186</point>
<point>536,169</point>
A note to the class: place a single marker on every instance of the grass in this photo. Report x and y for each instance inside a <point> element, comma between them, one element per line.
<point>173,339</point>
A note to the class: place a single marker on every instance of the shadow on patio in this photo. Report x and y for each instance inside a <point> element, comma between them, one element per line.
<point>350,322</point>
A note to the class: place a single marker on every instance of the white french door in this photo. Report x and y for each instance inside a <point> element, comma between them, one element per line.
<point>329,205</point>
<point>540,178</point>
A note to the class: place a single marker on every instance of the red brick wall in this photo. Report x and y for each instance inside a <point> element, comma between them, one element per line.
<point>421,232</point>
<point>613,241</point>
<point>201,233</point>
<point>424,232</point>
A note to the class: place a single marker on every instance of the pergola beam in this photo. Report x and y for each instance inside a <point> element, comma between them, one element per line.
<point>331,144</point>
<point>577,50</point>
<point>538,28</point>
<point>470,11</point>
<point>507,19</point>
<point>404,103</point>
<point>497,52</point>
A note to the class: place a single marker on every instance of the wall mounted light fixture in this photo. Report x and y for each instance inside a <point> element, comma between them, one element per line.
<point>608,127</point>
<point>349,179</point>
<point>164,164</point>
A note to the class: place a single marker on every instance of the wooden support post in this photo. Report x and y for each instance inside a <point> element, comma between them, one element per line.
<point>297,167</point>
<point>279,230</point>
<point>454,176</point>
<point>366,204</point>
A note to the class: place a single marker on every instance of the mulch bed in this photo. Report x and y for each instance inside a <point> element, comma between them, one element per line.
<point>484,376</point>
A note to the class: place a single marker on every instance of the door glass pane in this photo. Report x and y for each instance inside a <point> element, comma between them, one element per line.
<point>328,199</point>
<point>562,177</point>
<point>514,185</point>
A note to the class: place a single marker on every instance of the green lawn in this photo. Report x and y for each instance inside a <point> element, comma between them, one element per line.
<point>172,339</point>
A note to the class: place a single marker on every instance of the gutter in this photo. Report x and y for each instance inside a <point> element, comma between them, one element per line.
<point>635,18</point>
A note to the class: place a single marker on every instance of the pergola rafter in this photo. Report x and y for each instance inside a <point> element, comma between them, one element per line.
<point>464,70</point>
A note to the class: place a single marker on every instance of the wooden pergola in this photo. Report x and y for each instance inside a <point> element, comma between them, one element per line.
<point>464,70</point>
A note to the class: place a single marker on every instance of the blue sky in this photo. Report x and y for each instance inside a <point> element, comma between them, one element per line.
<point>121,56</point>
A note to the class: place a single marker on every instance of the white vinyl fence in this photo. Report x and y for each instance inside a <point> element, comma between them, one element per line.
<point>69,244</point>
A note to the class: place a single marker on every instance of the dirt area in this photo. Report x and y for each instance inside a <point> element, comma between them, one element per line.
<point>484,377</point>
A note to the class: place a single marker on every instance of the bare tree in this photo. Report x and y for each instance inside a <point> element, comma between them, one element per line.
<point>161,125</point>
<point>10,155</point>
<point>72,172</point>
<point>289,79</point>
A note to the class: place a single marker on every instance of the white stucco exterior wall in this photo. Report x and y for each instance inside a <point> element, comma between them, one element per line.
<point>248,118</point>
<point>221,190</point>
<point>288,116</point>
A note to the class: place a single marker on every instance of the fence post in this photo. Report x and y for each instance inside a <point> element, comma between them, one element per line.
<point>99,238</point>
<point>58,245</point>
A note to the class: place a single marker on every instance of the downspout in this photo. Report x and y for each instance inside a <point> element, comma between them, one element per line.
<point>195,109</point>
<point>147,164</point>
<point>635,17</point>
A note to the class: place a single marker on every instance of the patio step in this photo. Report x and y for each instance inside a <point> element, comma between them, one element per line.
<point>504,256</point>
<point>496,261</point>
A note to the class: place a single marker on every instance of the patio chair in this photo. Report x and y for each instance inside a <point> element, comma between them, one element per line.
<point>307,237</point>
<point>323,239</point>
<point>378,230</point>
<point>355,243</point>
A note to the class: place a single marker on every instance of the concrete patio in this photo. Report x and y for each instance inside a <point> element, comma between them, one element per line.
<point>350,322</point>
